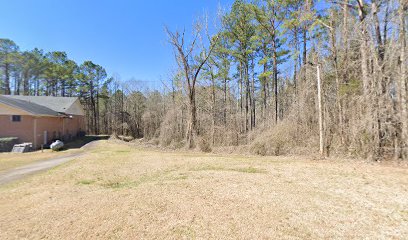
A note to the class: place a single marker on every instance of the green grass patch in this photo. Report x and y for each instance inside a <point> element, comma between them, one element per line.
<point>181,176</point>
<point>250,170</point>
<point>123,151</point>
<point>117,185</point>
<point>210,168</point>
<point>221,168</point>
<point>184,232</point>
<point>86,182</point>
<point>154,177</point>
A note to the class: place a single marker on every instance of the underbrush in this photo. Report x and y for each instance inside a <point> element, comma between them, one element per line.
<point>285,138</point>
<point>282,139</point>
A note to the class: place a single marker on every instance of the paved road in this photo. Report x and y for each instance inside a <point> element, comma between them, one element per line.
<point>30,169</point>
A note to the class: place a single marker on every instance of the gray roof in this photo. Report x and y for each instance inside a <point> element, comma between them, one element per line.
<point>57,104</point>
<point>30,107</point>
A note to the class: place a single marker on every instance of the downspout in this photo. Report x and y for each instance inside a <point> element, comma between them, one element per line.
<point>63,129</point>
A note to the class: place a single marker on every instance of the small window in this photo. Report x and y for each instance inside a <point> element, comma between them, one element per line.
<point>16,118</point>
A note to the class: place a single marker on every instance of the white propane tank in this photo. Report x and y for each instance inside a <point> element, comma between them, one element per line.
<point>57,145</point>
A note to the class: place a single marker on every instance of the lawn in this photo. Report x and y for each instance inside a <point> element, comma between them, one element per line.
<point>119,191</point>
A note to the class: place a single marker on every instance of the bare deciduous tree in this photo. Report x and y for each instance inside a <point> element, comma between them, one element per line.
<point>191,59</point>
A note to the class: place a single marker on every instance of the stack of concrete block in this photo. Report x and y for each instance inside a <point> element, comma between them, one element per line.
<point>22,148</point>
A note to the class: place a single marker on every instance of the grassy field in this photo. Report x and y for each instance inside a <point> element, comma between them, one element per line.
<point>122,192</point>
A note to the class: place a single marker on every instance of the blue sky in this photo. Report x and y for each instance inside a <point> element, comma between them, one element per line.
<point>124,36</point>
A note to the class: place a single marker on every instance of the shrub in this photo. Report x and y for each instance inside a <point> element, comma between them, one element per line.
<point>204,144</point>
<point>170,130</point>
<point>6,144</point>
<point>259,148</point>
<point>283,138</point>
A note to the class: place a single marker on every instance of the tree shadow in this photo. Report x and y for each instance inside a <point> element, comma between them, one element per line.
<point>82,141</point>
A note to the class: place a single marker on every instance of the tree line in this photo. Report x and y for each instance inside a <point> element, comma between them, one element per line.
<point>284,76</point>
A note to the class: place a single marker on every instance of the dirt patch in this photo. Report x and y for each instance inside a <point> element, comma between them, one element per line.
<point>118,191</point>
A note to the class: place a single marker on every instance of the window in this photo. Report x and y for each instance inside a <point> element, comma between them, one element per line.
<point>16,118</point>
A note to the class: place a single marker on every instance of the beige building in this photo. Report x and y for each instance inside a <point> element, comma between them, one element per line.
<point>40,119</point>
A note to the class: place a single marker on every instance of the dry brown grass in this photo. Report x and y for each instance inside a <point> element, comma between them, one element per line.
<point>120,192</point>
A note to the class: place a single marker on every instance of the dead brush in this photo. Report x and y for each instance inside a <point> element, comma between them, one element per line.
<point>171,130</point>
<point>279,140</point>
<point>204,144</point>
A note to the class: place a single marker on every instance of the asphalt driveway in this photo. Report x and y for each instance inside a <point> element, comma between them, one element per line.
<point>33,168</point>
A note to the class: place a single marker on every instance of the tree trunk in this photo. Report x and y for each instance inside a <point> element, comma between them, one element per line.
<point>369,111</point>
<point>213,107</point>
<point>379,86</point>
<point>63,88</point>
<point>364,49</point>
<point>319,97</point>
<point>7,89</point>
<point>263,81</point>
<point>344,71</point>
<point>192,125</point>
<point>247,92</point>
<point>17,83</point>
<point>97,112</point>
<point>225,102</point>
<point>26,84</point>
<point>380,45</point>
<point>241,93</point>
<point>253,111</point>
<point>403,80</point>
<point>304,33</point>
<point>295,65</point>
<point>275,76</point>
<point>338,84</point>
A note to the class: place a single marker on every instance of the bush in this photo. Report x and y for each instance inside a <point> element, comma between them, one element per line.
<point>281,139</point>
<point>6,144</point>
<point>8,139</point>
<point>204,144</point>
<point>154,141</point>
<point>126,138</point>
<point>177,144</point>
<point>259,148</point>
<point>170,130</point>
<point>81,134</point>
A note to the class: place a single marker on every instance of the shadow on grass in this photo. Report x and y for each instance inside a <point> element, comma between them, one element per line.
<point>80,142</point>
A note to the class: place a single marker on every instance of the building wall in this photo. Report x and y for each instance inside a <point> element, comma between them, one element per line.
<point>40,129</point>
<point>24,129</point>
<point>45,129</point>
<point>48,129</point>
<point>72,126</point>
<point>64,129</point>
